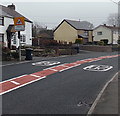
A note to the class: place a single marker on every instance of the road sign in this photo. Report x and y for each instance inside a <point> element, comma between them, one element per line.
<point>19,23</point>
<point>20,28</point>
<point>98,68</point>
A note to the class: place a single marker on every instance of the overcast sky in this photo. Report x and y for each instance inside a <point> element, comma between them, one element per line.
<point>50,14</point>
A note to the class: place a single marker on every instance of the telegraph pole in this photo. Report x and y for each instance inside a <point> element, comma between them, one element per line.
<point>19,23</point>
<point>19,46</point>
<point>117,3</point>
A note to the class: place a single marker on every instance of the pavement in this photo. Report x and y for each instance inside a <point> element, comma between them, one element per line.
<point>108,102</point>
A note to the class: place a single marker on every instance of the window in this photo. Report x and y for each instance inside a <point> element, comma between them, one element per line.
<point>86,33</point>
<point>1,20</point>
<point>14,39</point>
<point>99,33</point>
<point>1,37</point>
<point>115,32</point>
<point>23,38</point>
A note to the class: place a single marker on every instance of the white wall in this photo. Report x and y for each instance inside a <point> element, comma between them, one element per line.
<point>27,32</point>
<point>7,22</point>
<point>115,38</point>
<point>106,34</point>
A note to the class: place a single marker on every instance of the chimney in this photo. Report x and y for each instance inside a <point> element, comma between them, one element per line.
<point>114,25</point>
<point>12,7</point>
<point>105,25</point>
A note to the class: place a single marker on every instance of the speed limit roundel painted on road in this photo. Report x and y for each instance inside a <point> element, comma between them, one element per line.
<point>45,63</point>
<point>98,68</point>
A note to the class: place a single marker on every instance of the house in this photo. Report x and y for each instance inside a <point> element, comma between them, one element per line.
<point>70,30</point>
<point>8,35</point>
<point>106,32</point>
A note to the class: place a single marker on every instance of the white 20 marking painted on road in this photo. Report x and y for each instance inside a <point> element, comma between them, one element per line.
<point>98,68</point>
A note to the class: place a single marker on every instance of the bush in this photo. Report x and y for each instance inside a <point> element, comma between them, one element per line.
<point>105,41</point>
<point>13,47</point>
<point>118,41</point>
<point>79,41</point>
<point>101,43</point>
<point>15,55</point>
<point>6,55</point>
<point>95,42</point>
<point>89,43</point>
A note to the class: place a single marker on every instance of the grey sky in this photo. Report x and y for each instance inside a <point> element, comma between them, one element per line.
<point>51,14</point>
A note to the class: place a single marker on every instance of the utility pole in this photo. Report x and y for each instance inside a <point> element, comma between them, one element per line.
<point>19,45</point>
<point>118,4</point>
<point>19,23</point>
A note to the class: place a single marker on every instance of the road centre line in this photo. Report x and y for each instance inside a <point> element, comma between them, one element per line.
<point>16,83</point>
<point>22,85</point>
<point>53,69</point>
<point>65,69</point>
<point>34,75</point>
<point>13,78</point>
<point>69,68</point>
<point>65,66</point>
<point>56,66</point>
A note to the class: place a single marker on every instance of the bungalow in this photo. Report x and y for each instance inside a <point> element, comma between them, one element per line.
<point>8,35</point>
<point>106,32</point>
<point>70,30</point>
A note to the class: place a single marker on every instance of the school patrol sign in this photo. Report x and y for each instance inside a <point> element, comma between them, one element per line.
<point>19,23</point>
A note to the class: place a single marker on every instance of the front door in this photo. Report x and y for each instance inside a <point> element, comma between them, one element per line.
<point>9,35</point>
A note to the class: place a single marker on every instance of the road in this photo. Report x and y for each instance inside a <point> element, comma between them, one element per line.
<point>71,91</point>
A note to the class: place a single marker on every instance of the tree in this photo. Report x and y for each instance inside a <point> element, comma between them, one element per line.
<point>79,41</point>
<point>37,28</point>
<point>113,19</point>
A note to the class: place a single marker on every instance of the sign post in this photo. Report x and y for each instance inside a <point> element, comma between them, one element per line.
<point>19,23</point>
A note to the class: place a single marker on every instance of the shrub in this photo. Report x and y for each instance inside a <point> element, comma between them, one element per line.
<point>13,47</point>
<point>101,43</point>
<point>95,42</point>
<point>105,41</point>
<point>79,41</point>
<point>6,55</point>
<point>118,41</point>
<point>15,55</point>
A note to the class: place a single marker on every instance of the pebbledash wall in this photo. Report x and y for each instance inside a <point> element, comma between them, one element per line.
<point>14,40</point>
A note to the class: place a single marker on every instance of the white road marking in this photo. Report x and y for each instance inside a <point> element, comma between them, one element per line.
<point>22,85</point>
<point>64,69</point>
<point>16,83</point>
<point>56,66</point>
<point>69,67</point>
<point>53,69</point>
<point>34,75</point>
<point>65,66</point>
<point>46,63</point>
<point>98,68</point>
<point>13,78</point>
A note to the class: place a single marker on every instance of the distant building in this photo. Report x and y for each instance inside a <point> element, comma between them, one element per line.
<point>106,32</point>
<point>37,41</point>
<point>70,30</point>
<point>7,33</point>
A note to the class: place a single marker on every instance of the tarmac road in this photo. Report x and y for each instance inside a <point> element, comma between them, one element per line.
<point>69,92</point>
